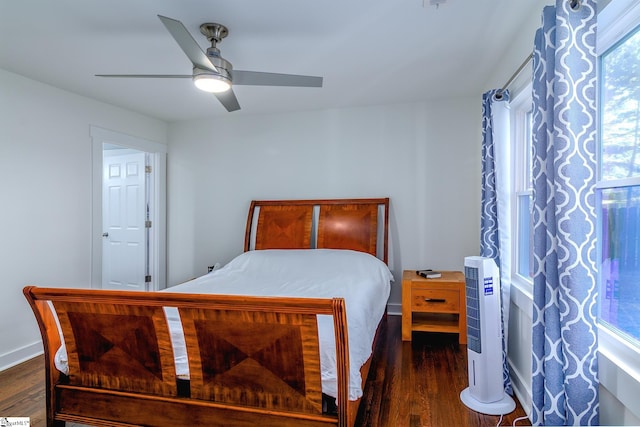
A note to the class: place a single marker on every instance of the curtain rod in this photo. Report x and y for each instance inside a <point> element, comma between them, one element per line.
<point>513,77</point>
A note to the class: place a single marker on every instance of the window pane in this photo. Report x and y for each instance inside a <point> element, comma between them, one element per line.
<point>620,259</point>
<point>620,155</point>
<point>524,237</point>
<point>528,139</point>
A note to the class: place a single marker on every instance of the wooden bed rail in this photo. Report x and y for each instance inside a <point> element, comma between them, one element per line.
<point>252,360</point>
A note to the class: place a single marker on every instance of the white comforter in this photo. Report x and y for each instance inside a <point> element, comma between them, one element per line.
<point>361,279</point>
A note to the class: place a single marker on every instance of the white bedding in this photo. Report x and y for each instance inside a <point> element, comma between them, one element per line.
<point>361,279</point>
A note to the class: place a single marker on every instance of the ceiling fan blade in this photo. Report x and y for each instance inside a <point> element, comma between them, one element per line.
<point>187,43</point>
<point>149,76</point>
<point>257,78</point>
<point>228,100</point>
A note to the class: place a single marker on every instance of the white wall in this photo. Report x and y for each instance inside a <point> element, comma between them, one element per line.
<point>425,157</point>
<point>45,162</point>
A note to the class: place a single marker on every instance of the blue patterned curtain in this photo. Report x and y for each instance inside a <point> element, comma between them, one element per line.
<point>495,223</point>
<point>565,368</point>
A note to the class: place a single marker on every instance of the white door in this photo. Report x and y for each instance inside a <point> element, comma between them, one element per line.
<point>123,215</point>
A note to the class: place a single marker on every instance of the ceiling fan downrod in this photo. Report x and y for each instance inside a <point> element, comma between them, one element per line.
<point>214,32</point>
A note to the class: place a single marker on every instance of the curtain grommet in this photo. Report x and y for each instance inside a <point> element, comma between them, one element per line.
<point>575,5</point>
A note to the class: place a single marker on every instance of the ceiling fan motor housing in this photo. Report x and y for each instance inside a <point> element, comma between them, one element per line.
<point>223,66</point>
<point>213,53</point>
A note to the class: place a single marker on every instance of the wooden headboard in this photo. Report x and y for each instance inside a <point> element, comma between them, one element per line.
<point>356,224</point>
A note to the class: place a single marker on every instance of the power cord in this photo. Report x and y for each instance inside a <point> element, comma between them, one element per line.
<point>514,421</point>
<point>519,419</point>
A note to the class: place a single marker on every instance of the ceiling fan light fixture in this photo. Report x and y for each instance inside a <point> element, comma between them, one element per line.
<point>212,83</point>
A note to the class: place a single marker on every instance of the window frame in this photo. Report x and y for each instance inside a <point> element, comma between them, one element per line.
<point>521,105</point>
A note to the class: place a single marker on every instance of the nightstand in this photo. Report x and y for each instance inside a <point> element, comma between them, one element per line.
<point>434,305</point>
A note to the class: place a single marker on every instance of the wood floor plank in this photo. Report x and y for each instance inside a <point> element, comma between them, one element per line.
<point>413,384</point>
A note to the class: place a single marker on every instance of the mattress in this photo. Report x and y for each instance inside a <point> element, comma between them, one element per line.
<point>361,279</point>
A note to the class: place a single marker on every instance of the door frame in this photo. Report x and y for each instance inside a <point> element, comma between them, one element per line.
<point>158,208</point>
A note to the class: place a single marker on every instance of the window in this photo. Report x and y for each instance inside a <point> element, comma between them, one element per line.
<point>523,228</point>
<point>618,187</point>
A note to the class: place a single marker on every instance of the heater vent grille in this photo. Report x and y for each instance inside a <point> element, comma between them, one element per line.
<point>474,338</point>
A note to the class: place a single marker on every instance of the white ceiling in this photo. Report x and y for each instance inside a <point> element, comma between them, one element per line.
<point>369,52</point>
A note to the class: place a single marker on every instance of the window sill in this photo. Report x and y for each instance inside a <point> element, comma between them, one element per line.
<point>618,350</point>
<point>619,368</point>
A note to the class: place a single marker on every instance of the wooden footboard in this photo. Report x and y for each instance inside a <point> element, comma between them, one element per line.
<point>252,360</point>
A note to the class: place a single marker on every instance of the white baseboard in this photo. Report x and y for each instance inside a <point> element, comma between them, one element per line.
<point>522,392</point>
<point>15,357</point>
<point>394,309</point>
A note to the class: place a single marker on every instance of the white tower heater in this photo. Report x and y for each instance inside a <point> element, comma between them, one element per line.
<point>485,393</point>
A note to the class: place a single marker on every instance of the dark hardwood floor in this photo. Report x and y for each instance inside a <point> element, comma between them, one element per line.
<point>418,383</point>
<point>410,384</point>
<point>22,391</point>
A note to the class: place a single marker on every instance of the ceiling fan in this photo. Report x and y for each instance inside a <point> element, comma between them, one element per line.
<point>213,73</point>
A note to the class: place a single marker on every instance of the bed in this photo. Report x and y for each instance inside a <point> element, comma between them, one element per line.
<point>263,340</point>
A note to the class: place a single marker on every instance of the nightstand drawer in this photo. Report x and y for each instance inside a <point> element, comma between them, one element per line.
<point>435,300</point>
